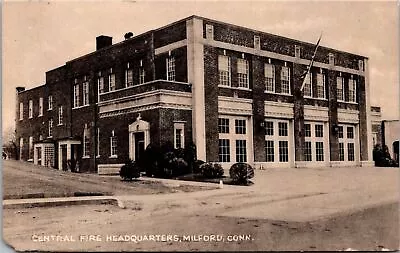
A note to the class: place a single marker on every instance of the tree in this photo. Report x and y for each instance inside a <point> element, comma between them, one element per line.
<point>10,146</point>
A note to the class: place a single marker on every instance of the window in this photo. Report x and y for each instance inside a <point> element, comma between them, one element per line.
<point>86,143</point>
<point>307,151</point>
<point>223,125</point>
<point>113,144</point>
<point>76,96</point>
<point>269,74</point>
<point>269,128</point>
<point>240,126</point>
<point>171,68</point>
<point>283,128</point>
<point>179,132</point>
<point>111,81</point>
<point>85,87</point>
<point>350,132</point>
<point>128,76</point>
<point>352,90</point>
<point>50,103</point>
<point>98,143</point>
<point>340,132</point>
<point>60,115</point>
<point>347,142</point>
<point>30,109</point>
<point>100,84</point>
<point>50,128</point>
<point>224,69</point>
<point>40,106</point>
<point>285,80</point>
<point>241,155</point>
<point>341,151</point>
<point>307,130</point>
<point>21,148</point>
<point>308,85</point>
<point>142,75</point>
<point>350,151</point>
<point>269,150</point>
<point>320,85</point>
<point>30,147</point>
<point>223,150</point>
<point>319,150</point>
<point>339,88</point>
<point>283,151</point>
<point>243,73</point>
<point>313,134</point>
<point>319,131</point>
<point>21,111</point>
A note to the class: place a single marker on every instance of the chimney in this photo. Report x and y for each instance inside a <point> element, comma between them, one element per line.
<point>103,41</point>
<point>20,89</point>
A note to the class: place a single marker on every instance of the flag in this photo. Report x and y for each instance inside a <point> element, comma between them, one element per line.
<point>304,75</point>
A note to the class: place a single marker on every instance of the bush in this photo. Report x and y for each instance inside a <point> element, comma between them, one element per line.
<point>382,157</point>
<point>240,173</point>
<point>129,170</point>
<point>211,170</point>
<point>196,166</point>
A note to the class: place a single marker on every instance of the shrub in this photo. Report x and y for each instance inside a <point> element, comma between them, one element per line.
<point>240,173</point>
<point>196,166</point>
<point>129,170</point>
<point>211,170</point>
<point>382,157</point>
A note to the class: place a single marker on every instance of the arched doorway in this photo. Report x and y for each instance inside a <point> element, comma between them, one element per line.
<point>139,138</point>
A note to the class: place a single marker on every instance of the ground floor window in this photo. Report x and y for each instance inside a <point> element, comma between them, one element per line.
<point>283,151</point>
<point>113,144</point>
<point>224,150</point>
<point>346,136</point>
<point>241,153</point>
<point>314,141</point>
<point>276,140</point>
<point>179,135</point>
<point>233,138</point>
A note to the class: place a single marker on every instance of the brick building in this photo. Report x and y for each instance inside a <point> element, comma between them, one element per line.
<point>233,91</point>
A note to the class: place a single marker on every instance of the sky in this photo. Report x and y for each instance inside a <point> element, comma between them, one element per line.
<point>40,36</point>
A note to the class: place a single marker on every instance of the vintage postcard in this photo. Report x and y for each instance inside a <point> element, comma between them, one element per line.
<point>200,126</point>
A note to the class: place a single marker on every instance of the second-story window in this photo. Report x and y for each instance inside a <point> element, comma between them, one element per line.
<point>128,76</point>
<point>50,128</point>
<point>40,106</point>
<point>171,68</point>
<point>339,88</point>
<point>352,90</point>
<point>285,80</point>
<point>243,73</point>
<point>60,115</point>
<point>76,96</point>
<point>308,85</point>
<point>30,109</point>
<point>269,73</point>
<point>21,111</point>
<point>100,85</point>
<point>320,85</point>
<point>111,80</point>
<point>85,89</point>
<point>224,69</point>
<point>50,103</point>
<point>142,75</point>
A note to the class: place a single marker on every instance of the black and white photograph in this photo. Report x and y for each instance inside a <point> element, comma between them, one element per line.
<point>200,126</point>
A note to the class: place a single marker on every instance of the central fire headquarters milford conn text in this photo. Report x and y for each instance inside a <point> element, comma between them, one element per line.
<point>142,238</point>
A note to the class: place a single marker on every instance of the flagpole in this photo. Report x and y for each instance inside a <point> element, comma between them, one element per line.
<point>311,63</point>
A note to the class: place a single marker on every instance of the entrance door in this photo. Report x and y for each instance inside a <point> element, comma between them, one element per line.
<point>139,145</point>
<point>64,157</point>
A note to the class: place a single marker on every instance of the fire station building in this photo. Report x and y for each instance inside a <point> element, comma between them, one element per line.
<point>232,91</point>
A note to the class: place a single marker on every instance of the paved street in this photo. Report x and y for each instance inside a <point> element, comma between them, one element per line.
<point>335,205</point>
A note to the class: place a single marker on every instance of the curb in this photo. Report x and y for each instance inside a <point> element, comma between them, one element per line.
<point>52,202</point>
